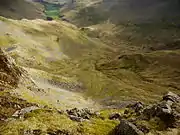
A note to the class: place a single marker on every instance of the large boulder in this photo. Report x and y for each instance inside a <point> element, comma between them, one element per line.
<point>167,110</point>
<point>127,128</point>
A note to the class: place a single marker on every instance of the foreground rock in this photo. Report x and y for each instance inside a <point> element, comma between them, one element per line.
<point>9,71</point>
<point>22,112</point>
<point>127,128</point>
<point>167,110</point>
<point>115,116</point>
<point>80,115</point>
<point>139,118</point>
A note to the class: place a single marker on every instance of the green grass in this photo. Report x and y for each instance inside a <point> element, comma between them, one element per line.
<point>98,127</point>
<point>50,120</point>
<point>45,120</point>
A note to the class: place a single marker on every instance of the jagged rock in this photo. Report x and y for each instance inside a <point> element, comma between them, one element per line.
<point>127,128</point>
<point>9,72</point>
<point>37,132</point>
<point>75,118</point>
<point>143,128</point>
<point>77,114</point>
<point>115,116</point>
<point>163,109</point>
<point>60,111</point>
<point>22,112</point>
<point>137,106</point>
<point>167,110</point>
<point>172,97</point>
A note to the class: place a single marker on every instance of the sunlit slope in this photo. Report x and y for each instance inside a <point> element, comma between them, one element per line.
<point>63,55</point>
<point>52,52</point>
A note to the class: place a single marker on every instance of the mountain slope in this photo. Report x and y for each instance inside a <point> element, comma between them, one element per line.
<point>120,11</point>
<point>104,67</point>
<point>19,9</point>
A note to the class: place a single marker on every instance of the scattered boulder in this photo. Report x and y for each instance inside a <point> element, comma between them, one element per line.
<point>76,118</point>
<point>172,97</point>
<point>80,115</point>
<point>60,111</point>
<point>137,107</point>
<point>163,109</point>
<point>166,110</point>
<point>143,128</point>
<point>150,111</point>
<point>127,128</point>
<point>37,132</point>
<point>115,116</point>
<point>22,112</point>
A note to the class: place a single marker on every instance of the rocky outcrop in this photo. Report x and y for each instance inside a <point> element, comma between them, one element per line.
<point>11,75</point>
<point>22,112</point>
<point>9,72</point>
<point>171,97</point>
<point>80,115</point>
<point>167,110</point>
<point>137,107</point>
<point>137,116</point>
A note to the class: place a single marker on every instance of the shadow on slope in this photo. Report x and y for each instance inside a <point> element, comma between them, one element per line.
<point>19,9</point>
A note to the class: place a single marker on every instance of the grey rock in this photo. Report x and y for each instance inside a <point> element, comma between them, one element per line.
<point>60,111</point>
<point>115,116</point>
<point>172,97</point>
<point>163,109</point>
<point>75,118</point>
<point>167,110</point>
<point>137,106</point>
<point>22,112</point>
<point>127,128</point>
<point>83,113</point>
<point>37,132</point>
<point>150,111</point>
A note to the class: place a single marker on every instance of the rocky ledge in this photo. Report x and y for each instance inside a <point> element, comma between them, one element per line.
<point>139,119</point>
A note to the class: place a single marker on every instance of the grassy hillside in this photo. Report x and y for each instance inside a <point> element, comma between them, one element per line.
<point>94,12</point>
<point>87,61</point>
